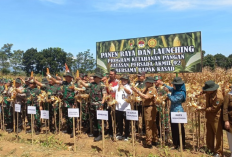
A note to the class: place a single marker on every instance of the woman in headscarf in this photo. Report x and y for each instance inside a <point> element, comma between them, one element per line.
<point>177,97</point>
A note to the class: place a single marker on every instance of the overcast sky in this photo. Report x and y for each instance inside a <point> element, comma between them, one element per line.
<point>76,25</point>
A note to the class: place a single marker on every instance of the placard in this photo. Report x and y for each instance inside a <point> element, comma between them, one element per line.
<point>102,115</point>
<point>73,112</point>
<point>31,109</point>
<point>17,108</point>
<point>170,53</point>
<point>44,114</point>
<point>132,115</point>
<point>178,117</point>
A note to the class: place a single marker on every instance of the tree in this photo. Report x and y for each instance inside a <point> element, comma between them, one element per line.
<point>220,60</point>
<point>69,61</point>
<point>52,58</point>
<point>209,61</point>
<point>5,54</point>
<point>29,60</point>
<point>84,62</point>
<point>16,61</point>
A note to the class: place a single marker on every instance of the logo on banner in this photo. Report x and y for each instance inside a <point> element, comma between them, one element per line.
<point>141,43</point>
<point>131,44</point>
<point>152,42</point>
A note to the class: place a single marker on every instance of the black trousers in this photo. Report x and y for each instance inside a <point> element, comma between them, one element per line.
<point>110,121</point>
<point>139,108</point>
<point>121,115</point>
<point>175,134</point>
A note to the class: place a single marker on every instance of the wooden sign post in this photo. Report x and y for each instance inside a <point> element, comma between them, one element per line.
<point>73,112</point>
<point>31,110</point>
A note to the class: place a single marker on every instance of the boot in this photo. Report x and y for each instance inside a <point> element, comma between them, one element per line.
<point>99,138</point>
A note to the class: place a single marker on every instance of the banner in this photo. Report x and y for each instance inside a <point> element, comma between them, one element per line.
<point>154,54</point>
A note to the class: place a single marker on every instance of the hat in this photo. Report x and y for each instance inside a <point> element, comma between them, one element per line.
<point>142,73</point>
<point>68,74</point>
<point>149,79</point>
<point>177,80</point>
<point>210,86</point>
<point>44,81</point>
<point>156,78</point>
<point>18,81</point>
<point>126,77</point>
<point>26,78</point>
<point>97,74</point>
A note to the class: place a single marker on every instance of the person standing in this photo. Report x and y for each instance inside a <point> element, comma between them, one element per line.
<point>97,97</point>
<point>68,94</point>
<point>227,118</point>
<point>149,112</point>
<point>122,93</point>
<point>177,97</point>
<point>214,102</point>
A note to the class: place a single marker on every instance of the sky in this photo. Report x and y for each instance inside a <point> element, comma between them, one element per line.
<point>76,25</point>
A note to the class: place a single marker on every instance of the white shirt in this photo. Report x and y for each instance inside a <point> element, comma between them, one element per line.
<point>120,97</point>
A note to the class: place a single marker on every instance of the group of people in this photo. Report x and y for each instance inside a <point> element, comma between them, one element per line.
<point>102,90</point>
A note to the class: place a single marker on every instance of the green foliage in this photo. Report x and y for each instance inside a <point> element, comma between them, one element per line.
<point>209,61</point>
<point>5,71</point>
<point>5,54</point>
<point>52,142</point>
<point>84,62</point>
<point>16,61</point>
<point>29,60</point>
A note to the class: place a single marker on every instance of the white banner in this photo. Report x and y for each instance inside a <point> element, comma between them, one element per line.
<point>31,109</point>
<point>178,117</point>
<point>73,112</point>
<point>102,115</point>
<point>44,114</point>
<point>132,115</point>
<point>17,108</point>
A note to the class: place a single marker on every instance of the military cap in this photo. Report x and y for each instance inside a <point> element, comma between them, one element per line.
<point>149,79</point>
<point>44,81</point>
<point>18,81</point>
<point>210,86</point>
<point>68,74</point>
<point>98,74</point>
<point>27,79</point>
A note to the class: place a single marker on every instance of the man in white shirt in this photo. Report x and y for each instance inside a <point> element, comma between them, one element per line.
<point>122,92</point>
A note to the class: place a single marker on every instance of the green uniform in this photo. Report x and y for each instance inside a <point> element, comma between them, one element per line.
<point>32,100</point>
<point>96,96</point>
<point>68,101</point>
<point>8,110</point>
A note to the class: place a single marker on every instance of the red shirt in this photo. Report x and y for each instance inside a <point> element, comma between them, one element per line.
<point>115,83</point>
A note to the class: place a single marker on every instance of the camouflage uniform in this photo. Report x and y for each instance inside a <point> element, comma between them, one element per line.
<point>7,107</point>
<point>138,106</point>
<point>68,101</point>
<point>164,116</point>
<point>32,100</point>
<point>96,96</point>
<point>52,91</point>
<point>20,99</point>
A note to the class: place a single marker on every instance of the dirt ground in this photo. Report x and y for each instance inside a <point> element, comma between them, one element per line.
<point>62,145</point>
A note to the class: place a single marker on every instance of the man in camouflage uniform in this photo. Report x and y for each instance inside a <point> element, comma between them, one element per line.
<point>68,94</point>
<point>20,99</point>
<point>8,109</point>
<point>141,85</point>
<point>51,90</point>
<point>164,116</point>
<point>31,100</point>
<point>97,95</point>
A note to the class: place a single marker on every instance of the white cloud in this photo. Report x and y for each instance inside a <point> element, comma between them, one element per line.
<point>55,1</point>
<point>169,4</point>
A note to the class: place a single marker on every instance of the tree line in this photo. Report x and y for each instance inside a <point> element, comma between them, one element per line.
<point>20,62</point>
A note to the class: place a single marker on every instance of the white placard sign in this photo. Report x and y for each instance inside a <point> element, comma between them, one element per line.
<point>17,108</point>
<point>73,112</point>
<point>102,115</point>
<point>178,117</point>
<point>132,115</point>
<point>31,109</point>
<point>44,114</point>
